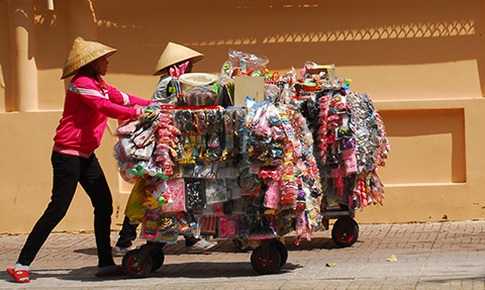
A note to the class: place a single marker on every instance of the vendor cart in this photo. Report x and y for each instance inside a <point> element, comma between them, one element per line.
<point>305,155</point>
<point>193,171</point>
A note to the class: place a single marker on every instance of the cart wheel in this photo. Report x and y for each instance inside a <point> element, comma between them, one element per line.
<point>265,262</point>
<point>345,232</point>
<point>134,268</point>
<point>241,244</point>
<point>280,247</point>
<point>158,257</point>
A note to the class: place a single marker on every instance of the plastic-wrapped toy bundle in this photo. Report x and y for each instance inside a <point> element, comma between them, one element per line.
<point>278,170</point>
<point>351,143</point>
<point>209,134</point>
<point>238,63</point>
<point>147,149</point>
<point>188,153</point>
<point>241,63</point>
<point>349,134</point>
<point>181,139</point>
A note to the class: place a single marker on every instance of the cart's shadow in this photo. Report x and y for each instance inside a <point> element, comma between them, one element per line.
<point>199,269</point>
<point>214,270</point>
<point>187,270</point>
<point>228,246</point>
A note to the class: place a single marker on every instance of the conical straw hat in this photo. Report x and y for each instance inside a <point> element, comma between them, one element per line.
<point>82,53</point>
<point>175,53</point>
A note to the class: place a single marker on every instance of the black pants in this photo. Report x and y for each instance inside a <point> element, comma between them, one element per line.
<point>68,171</point>
<point>128,235</point>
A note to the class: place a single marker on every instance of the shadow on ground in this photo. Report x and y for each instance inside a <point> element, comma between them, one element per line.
<point>228,246</point>
<point>184,270</point>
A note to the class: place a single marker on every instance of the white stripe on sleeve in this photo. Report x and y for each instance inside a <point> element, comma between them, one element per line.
<point>126,99</point>
<point>83,91</point>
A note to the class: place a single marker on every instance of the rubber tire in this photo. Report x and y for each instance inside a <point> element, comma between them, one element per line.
<point>281,248</point>
<point>345,232</point>
<point>263,265</point>
<point>158,257</point>
<point>139,271</point>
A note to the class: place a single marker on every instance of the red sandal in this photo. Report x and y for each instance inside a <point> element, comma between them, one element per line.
<point>20,276</point>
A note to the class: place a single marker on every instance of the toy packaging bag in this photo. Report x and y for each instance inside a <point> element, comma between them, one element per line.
<point>194,194</point>
<point>215,190</point>
<point>208,225</point>
<point>175,196</point>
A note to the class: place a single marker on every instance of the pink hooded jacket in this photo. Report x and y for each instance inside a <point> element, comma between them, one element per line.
<point>87,106</point>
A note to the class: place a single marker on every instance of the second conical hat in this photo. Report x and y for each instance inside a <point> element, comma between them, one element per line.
<point>175,53</point>
<point>82,53</point>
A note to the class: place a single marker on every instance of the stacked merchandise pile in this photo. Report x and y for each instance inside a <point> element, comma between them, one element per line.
<point>350,138</point>
<point>259,171</point>
<point>278,168</point>
<point>228,172</point>
<point>182,162</point>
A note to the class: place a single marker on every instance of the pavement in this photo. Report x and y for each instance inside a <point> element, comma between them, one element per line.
<point>442,255</point>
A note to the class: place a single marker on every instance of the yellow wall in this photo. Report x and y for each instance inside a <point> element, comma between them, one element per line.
<point>421,61</point>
